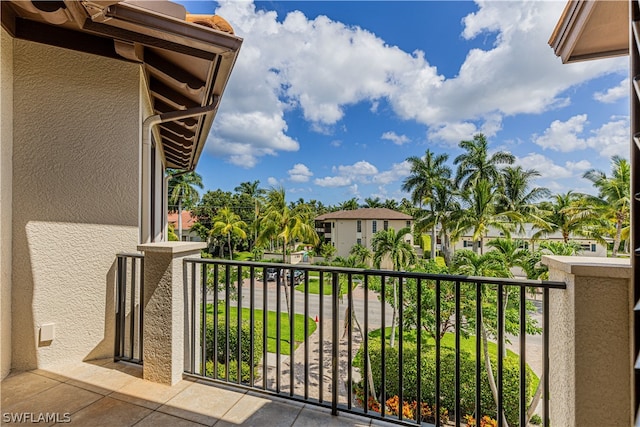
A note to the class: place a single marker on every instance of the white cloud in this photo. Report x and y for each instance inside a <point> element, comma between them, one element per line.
<point>299,173</point>
<point>272,181</point>
<point>549,170</point>
<point>395,138</point>
<point>612,138</point>
<point>613,94</point>
<point>333,181</point>
<point>336,143</point>
<point>396,173</point>
<point>453,133</point>
<point>358,169</point>
<point>277,70</point>
<point>563,136</point>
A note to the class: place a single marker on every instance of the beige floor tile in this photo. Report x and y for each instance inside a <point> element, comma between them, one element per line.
<point>158,419</point>
<point>104,380</point>
<point>108,412</point>
<point>61,399</point>
<point>23,385</point>
<point>323,418</point>
<point>49,374</point>
<point>253,411</point>
<point>148,394</point>
<point>201,403</point>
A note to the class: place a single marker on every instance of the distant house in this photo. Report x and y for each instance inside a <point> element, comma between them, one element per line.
<point>188,219</point>
<point>345,229</point>
<point>590,247</point>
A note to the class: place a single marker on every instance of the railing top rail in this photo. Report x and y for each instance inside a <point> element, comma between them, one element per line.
<point>390,273</point>
<point>130,255</point>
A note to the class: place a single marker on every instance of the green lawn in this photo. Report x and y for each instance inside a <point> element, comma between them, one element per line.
<point>314,285</point>
<point>448,340</point>
<point>243,256</point>
<point>298,326</point>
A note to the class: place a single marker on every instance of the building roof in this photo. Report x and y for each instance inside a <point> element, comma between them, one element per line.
<point>590,30</point>
<point>188,219</point>
<point>365,213</point>
<point>186,59</point>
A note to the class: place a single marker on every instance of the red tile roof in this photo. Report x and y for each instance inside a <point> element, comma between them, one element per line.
<point>187,219</point>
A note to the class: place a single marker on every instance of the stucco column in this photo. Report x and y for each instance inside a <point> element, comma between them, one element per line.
<point>164,309</point>
<point>590,342</point>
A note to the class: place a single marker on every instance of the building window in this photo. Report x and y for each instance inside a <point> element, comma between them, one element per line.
<point>375,225</point>
<point>333,225</point>
<point>408,224</point>
<point>359,242</point>
<point>359,226</point>
<point>593,247</point>
<point>386,225</point>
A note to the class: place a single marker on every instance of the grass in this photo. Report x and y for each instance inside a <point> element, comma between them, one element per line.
<point>243,256</point>
<point>271,344</point>
<point>314,286</point>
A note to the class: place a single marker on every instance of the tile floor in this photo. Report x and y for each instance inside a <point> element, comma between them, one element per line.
<point>104,393</point>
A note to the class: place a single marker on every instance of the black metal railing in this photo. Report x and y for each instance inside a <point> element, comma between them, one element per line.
<point>323,335</point>
<point>129,303</point>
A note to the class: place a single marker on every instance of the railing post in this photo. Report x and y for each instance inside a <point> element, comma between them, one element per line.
<point>590,342</point>
<point>165,308</point>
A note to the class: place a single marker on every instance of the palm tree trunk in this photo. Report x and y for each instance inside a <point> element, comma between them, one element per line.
<point>536,399</point>
<point>350,315</point>
<point>489,369</point>
<point>616,240</point>
<point>180,219</point>
<point>433,242</point>
<point>229,241</point>
<point>286,291</point>
<point>395,314</point>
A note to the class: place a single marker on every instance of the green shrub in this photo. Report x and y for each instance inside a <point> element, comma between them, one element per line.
<point>245,341</point>
<point>447,378</point>
<point>233,371</point>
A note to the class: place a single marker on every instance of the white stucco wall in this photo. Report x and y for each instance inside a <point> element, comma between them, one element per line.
<point>75,198</point>
<point>6,148</point>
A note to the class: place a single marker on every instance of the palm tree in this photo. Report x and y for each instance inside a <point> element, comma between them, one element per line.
<point>513,252</point>
<point>614,194</point>
<point>282,223</point>
<point>349,205</point>
<point>362,255</point>
<point>371,202</point>
<point>228,223</point>
<point>387,244</point>
<point>182,191</point>
<point>476,164</point>
<point>481,214</point>
<point>516,194</point>
<point>565,213</point>
<point>254,192</point>
<point>390,204</point>
<point>426,174</point>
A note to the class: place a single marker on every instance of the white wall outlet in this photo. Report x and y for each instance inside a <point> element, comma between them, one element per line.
<point>47,332</point>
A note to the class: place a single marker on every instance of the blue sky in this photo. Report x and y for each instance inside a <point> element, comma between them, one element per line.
<point>329,98</point>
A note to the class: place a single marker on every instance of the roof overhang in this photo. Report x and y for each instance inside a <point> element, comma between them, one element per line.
<point>591,30</point>
<point>186,65</point>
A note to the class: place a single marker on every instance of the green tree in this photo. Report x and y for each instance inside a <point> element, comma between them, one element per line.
<point>567,214</point>
<point>476,164</point>
<point>252,190</point>
<point>183,193</point>
<point>228,223</point>
<point>349,205</point>
<point>614,195</point>
<point>284,224</point>
<point>387,244</point>
<point>427,173</point>
<point>517,195</point>
<point>371,202</point>
<point>361,254</point>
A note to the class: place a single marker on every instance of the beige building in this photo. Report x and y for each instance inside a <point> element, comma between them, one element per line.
<point>345,229</point>
<point>97,99</point>
<point>187,221</point>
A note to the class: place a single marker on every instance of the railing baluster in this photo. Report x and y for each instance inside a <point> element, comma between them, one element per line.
<point>336,342</point>
<point>383,338</point>
<point>350,340</point>
<point>265,308</point>
<point>321,344</point>
<point>545,356</point>
<point>215,320</point>
<point>479,321</point>
<point>117,345</point>
<point>292,348</point>
<point>457,332</point>
<point>500,409</point>
<point>400,347</point>
<point>132,324</point>
<point>203,321</point>
<point>523,356</point>
<point>141,312</point>
<point>239,326</point>
<point>365,374</point>
<point>252,322</point>
<point>227,321</point>
<point>278,321</point>
<point>306,334</point>
<point>438,332</point>
<point>193,317</point>
<point>418,413</point>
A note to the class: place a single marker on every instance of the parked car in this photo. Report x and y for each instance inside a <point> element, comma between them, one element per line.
<point>298,276</point>
<point>272,274</point>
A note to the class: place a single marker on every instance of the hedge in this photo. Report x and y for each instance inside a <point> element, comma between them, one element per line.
<point>511,378</point>
<point>245,342</point>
